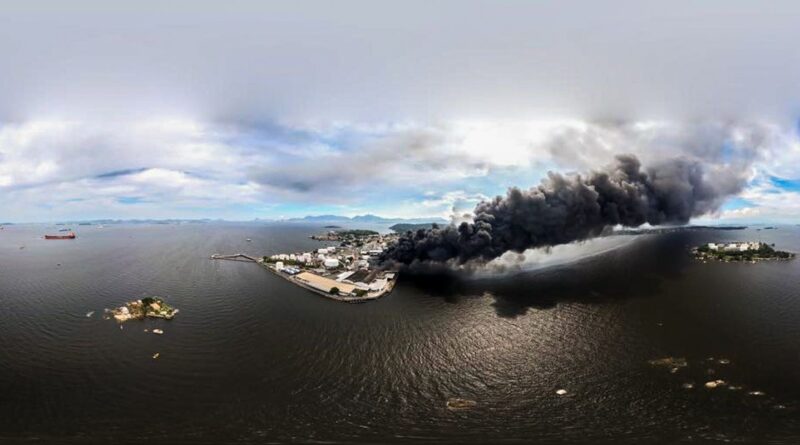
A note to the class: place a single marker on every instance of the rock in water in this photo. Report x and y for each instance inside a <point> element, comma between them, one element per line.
<point>670,362</point>
<point>456,404</point>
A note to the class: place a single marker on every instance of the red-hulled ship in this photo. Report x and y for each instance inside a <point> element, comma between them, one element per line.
<point>70,235</point>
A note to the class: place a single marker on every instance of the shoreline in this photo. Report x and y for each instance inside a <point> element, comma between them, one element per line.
<point>387,290</point>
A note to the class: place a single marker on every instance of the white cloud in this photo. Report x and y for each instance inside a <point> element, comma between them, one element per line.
<point>165,167</point>
<point>368,103</point>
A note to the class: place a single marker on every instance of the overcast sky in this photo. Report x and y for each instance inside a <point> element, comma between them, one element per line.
<point>239,110</point>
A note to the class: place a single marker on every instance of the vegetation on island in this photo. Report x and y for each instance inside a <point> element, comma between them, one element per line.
<point>345,235</point>
<point>356,233</point>
<point>146,307</point>
<point>407,227</point>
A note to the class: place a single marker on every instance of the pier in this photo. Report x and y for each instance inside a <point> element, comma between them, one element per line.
<point>234,257</point>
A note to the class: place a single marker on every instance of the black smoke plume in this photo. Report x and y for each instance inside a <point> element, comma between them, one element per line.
<point>566,208</point>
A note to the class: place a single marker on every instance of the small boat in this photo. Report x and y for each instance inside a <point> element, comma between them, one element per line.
<point>70,235</point>
<point>249,240</point>
<point>65,230</point>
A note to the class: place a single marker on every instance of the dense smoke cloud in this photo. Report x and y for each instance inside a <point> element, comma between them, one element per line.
<point>566,208</point>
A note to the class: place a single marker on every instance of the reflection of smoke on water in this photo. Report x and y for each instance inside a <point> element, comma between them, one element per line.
<point>544,257</point>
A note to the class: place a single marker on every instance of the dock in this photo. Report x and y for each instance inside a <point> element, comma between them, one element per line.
<point>235,257</point>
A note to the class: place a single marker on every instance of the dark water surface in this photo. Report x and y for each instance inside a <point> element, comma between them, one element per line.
<point>251,358</point>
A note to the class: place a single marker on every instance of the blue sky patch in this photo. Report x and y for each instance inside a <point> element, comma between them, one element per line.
<point>130,200</point>
<point>737,203</point>
<point>792,185</point>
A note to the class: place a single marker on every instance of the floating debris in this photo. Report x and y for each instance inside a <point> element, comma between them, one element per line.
<point>561,392</point>
<point>89,314</point>
<point>146,330</point>
<point>670,362</point>
<point>688,386</point>
<point>723,361</point>
<point>158,331</point>
<point>715,383</point>
<point>710,371</point>
<point>756,393</point>
<point>734,388</point>
<point>456,404</point>
<point>120,327</point>
<point>779,406</point>
<point>156,355</point>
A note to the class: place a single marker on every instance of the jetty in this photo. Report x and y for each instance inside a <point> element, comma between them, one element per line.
<point>235,257</point>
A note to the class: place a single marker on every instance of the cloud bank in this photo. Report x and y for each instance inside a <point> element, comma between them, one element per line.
<point>267,109</point>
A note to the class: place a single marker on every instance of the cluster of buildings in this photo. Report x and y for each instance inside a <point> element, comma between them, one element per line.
<point>734,247</point>
<point>346,270</point>
<point>328,258</point>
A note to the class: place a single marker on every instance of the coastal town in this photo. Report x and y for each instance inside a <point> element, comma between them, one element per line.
<point>345,272</point>
<point>750,251</point>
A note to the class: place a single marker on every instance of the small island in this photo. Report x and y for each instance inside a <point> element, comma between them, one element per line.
<point>153,307</point>
<point>739,251</point>
<point>411,227</point>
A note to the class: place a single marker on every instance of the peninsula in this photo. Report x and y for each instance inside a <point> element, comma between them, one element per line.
<point>346,272</point>
<point>739,251</point>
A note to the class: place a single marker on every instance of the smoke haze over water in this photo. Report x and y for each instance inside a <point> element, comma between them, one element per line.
<point>567,208</point>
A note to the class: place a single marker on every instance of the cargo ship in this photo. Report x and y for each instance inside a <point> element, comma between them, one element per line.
<point>70,235</point>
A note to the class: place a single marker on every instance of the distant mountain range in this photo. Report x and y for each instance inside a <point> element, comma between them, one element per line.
<point>371,219</point>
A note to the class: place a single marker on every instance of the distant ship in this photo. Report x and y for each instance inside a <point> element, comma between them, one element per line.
<point>70,235</point>
<point>65,230</point>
